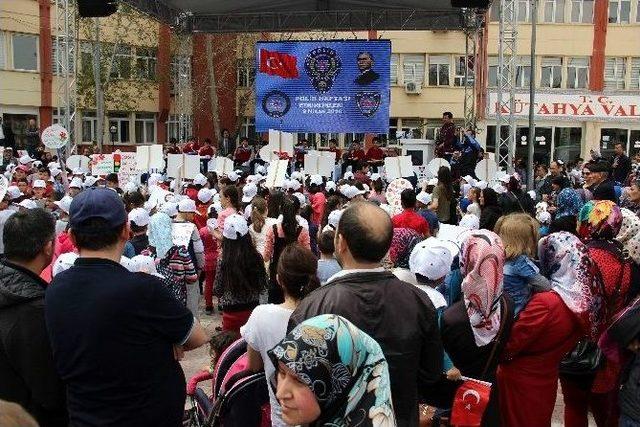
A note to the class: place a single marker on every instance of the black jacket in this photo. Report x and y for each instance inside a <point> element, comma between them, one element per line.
<point>622,168</point>
<point>516,201</point>
<point>604,191</point>
<point>489,216</point>
<point>400,317</point>
<point>27,373</point>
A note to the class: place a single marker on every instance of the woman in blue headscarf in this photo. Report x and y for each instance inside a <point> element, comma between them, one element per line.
<point>330,373</point>
<point>568,205</point>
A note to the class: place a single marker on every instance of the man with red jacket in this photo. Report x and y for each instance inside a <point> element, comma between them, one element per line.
<point>242,153</point>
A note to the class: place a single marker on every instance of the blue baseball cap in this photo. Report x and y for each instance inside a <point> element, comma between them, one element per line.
<point>97,202</point>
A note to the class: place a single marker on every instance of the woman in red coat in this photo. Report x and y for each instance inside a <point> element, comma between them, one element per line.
<point>546,330</point>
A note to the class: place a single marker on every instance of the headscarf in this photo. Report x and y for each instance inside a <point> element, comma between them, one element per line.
<point>402,243</point>
<point>565,260</point>
<point>629,234</point>
<point>568,203</point>
<point>344,368</point>
<point>481,264</point>
<point>160,233</point>
<point>599,220</point>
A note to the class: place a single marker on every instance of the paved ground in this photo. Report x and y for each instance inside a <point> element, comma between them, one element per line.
<point>196,360</point>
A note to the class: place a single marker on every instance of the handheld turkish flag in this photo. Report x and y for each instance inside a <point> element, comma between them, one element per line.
<point>278,64</point>
<point>470,402</point>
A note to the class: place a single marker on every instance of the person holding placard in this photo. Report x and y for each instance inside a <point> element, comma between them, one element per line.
<point>375,154</point>
<point>242,153</point>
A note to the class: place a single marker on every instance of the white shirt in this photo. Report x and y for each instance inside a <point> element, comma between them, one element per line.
<point>342,273</point>
<point>260,238</point>
<point>266,327</point>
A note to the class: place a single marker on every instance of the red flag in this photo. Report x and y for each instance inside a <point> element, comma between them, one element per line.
<point>470,402</point>
<point>278,64</point>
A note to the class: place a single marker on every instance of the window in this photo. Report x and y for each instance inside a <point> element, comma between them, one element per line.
<point>412,128</point>
<point>619,11</point>
<point>461,64</point>
<point>145,127</point>
<point>352,137</point>
<point>246,72</point>
<point>635,74</point>
<point>121,122</point>
<point>56,60</point>
<point>393,73</point>
<point>609,137</point>
<point>493,71</point>
<point>413,68</point>
<point>634,141</point>
<point>248,128</point>
<point>25,52</point>
<point>551,73</point>
<point>89,126</point>
<point>393,128</point>
<point>3,55</point>
<point>439,70</point>
<point>554,11</point>
<point>566,143</point>
<point>121,68</point>
<point>432,130</point>
<point>523,11</point>
<point>577,73</point>
<point>175,69</point>
<point>614,73</point>
<point>146,59</point>
<point>523,71</point>
<point>86,58</point>
<point>582,11</point>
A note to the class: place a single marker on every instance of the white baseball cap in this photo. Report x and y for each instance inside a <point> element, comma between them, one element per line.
<point>130,187</point>
<point>14,192</point>
<point>469,179</point>
<point>187,206</point>
<point>78,171</point>
<point>126,263</point>
<point>233,177</point>
<point>261,170</point>
<point>348,175</point>
<point>334,218</point>
<point>169,208</point>
<point>301,199</point>
<point>375,176</point>
<point>543,217</point>
<point>25,160</point>
<point>249,191</point>
<point>55,172</point>
<point>431,258</point>
<point>481,185</point>
<point>53,165</point>
<point>200,180</point>
<point>90,181</point>
<point>64,262</point>
<point>38,183</point>
<point>315,179</point>
<point>37,163</point>
<point>330,186</point>
<point>235,224</point>
<point>424,197</point>
<point>64,204</point>
<point>28,204</point>
<point>470,221</point>
<point>75,183</point>
<point>154,179</point>
<point>297,175</point>
<point>145,264</point>
<point>139,216</point>
<point>294,185</point>
<point>532,194</point>
<point>205,195</point>
<point>217,206</point>
<point>505,178</point>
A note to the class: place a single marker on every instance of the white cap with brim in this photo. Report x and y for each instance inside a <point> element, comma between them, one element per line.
<point>64,204</point>
<point>63,262</point>
<point>431,258</point>
<point>28,204</point>
<point>205,195</point>
<point>139,216</point>
<point>187,206</point>
<point>235,225</point>
<point>424,197</point>
<point>249,191</point>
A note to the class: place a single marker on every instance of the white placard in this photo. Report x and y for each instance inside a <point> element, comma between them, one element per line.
<point>149,157</point>
<point>174,163</point>
<point>223,165</point>
<point>78,161</point>
<point>181,233</point>
<point>55,136</point>
<point>276,174</point>
<point>486,169</point>
<point>102,164</point>
<point>142,158</point>
<point>436,164</point>
<point>398,167</point>
<point>279,142</point>
<point>191,166</point>
<point>4,185</point>
<point>127,171</point>
<point>315,164</point>
<point>329,154</point>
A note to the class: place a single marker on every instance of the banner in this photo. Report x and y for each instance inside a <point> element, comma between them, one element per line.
<point>323,86</point>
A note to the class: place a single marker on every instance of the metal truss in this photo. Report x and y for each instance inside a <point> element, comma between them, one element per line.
<point>505,110</point>
<point>65,61</point>
<point>182,78</point>
<point>473,25</point>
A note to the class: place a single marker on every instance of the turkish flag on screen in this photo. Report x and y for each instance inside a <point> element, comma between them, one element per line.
<point>278,64</point>
<point>470,402</point>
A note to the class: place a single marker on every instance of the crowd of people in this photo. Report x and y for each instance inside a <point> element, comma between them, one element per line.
<point>365,302</point>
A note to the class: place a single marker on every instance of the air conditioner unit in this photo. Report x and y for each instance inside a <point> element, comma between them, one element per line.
<point>412,88</point>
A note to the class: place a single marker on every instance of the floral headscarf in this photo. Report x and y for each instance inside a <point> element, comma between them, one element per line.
<point>565,260</point>
<point>402,243</point>
<point>568,203</point>
<point>344,368</point>
<point>599,220</point>
<point>481,264</point>
<point>160,233</point>
<point>629,234</point>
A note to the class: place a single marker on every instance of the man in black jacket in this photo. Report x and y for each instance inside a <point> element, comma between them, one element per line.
<point>601,187</point>
<point>399,316</point>
<point>620,164</point>
<point>27,373</point>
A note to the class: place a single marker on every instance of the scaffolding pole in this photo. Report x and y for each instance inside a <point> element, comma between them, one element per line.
<point>182,77</point>
<point>65,60</point>
<point>505,109</point>
<point>473,25</point>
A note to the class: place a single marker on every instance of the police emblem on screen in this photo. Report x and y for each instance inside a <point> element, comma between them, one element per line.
<point>276,103</point>
<point>322,65</point>
<point>368,102</point>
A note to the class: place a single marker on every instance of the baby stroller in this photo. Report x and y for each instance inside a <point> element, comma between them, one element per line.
<point>240,397</point>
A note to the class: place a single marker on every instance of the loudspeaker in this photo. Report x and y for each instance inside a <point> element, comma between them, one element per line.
<point>96,8</point>
<point>471,4</point>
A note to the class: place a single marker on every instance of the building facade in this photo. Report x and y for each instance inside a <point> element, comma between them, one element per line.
<point>587,76</point>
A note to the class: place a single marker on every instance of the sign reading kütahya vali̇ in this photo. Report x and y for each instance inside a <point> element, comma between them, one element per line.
<point>323,86</point>
<point>573,106</point>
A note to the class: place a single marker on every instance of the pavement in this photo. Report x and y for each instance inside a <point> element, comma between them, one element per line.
<point>198,359</point>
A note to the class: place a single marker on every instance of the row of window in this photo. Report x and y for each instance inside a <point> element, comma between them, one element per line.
<point>128,61</point>
<point>144,127</point>
<point>573,11</point>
